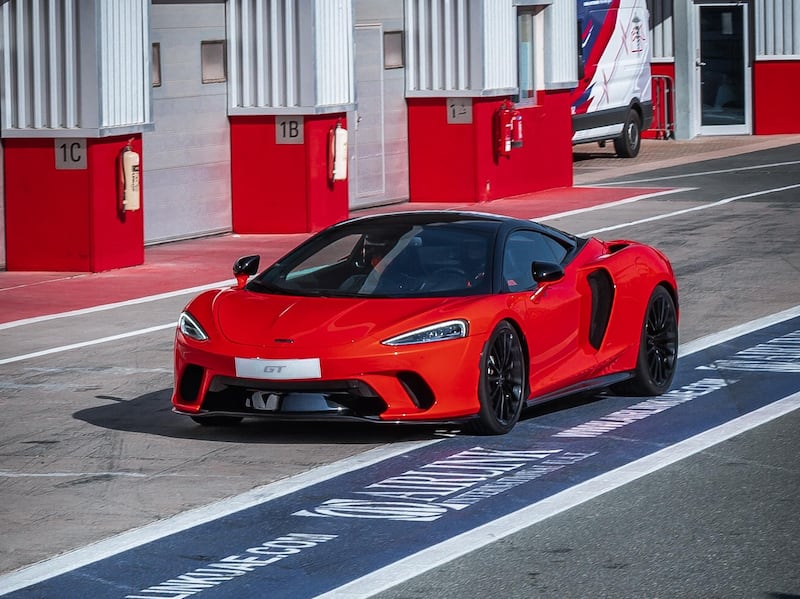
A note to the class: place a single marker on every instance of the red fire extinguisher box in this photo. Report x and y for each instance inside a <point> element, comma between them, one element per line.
<point>62,205</point>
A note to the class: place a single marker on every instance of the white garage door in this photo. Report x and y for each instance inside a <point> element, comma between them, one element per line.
<point>187,157</point>
<point>380,144</point>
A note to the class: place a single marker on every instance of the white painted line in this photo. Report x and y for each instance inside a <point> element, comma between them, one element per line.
<point>738,331</point>
<point>43,282</point>
<point>644,196</point>
<point>465,543</point>
<point>103,307</point>
<point>685,175</point>
<point>131,539</point>
<point>71,346</point>
<point>4,474</point>
<point>688,210</point>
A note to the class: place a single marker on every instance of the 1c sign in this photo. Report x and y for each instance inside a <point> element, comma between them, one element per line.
<point>70,153</point>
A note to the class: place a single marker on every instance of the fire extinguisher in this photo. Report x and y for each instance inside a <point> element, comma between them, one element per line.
<point>516,129</point>
<point>508,129</point>
<point>337,153</point>
<point>504,133</point>
<point>128,168</point>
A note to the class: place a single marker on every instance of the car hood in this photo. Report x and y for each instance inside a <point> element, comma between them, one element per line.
<point>276,320</point>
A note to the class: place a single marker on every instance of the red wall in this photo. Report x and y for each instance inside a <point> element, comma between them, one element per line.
<point>457,162</point>
<point>774,104</point>
<point>283,188</point>
<point>67,220</point>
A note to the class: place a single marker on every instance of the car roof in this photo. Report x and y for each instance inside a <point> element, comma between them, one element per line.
<point>421,217</point>
<point>434,216</point>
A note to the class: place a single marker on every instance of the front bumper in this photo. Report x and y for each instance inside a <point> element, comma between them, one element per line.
<point>423,383</point>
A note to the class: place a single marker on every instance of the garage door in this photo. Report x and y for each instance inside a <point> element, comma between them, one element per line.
<point>186,159</point>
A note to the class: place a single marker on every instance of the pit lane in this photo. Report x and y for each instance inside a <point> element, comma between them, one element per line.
<point>430,501</point>
<point>723,266</point>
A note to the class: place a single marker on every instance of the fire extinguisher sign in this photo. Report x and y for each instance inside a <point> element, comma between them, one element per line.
<point>70,153</point>
<point>288,129</point>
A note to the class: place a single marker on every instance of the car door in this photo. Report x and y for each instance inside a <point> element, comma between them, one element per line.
<point>550,311</point>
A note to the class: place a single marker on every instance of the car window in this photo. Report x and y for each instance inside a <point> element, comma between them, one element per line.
<point>407,260</point>
<point>338,251</point>
<point>522,249</point>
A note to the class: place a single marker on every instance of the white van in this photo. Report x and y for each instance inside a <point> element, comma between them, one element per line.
<point>613,100</point>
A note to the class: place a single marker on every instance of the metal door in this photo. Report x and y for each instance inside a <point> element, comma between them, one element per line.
<point>379,156</point>
<point>187,182</point>
<point>723,69</point>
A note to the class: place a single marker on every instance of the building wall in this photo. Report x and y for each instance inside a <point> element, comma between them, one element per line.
<point>774,106</point>
<point>458,162</point>
<point>187,191</point>
<point>2,212</point>
<point>777,66</point>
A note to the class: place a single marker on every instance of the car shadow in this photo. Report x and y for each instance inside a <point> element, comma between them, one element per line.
<point>152,414</point>
<point>561,404</point>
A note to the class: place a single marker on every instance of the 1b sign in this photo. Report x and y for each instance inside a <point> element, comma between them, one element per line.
<point>288,129</point>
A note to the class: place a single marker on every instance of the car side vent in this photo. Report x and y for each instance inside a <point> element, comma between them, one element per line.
<point>613,248</point>
<point>602,288</point>
<point>418,390</point>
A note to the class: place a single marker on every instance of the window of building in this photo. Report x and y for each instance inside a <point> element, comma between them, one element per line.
<point>393,50</point>
<point>212,58</point>
<point>155,65</point>
<point>529,47</point>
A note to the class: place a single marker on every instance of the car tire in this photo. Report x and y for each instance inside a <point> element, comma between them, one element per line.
<point>502,383</point>
<point>217,420</point>
<point>658,348</point>
<point>627,145</point>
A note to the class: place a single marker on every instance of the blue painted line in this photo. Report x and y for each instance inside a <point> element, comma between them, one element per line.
<point>326,535</point>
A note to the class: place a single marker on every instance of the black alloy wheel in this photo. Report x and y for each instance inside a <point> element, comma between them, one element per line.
<point>501,388</point>
<point>662,340</point>
<point>658,348</point>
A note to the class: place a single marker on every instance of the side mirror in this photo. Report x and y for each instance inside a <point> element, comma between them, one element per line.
<point>244,268</point>
<point>546,272</point>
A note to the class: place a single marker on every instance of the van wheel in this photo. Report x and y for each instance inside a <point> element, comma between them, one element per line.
<point>627,145</point>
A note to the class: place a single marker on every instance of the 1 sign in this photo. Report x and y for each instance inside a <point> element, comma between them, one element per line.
<point>288,129</point>
<point>70,153</point>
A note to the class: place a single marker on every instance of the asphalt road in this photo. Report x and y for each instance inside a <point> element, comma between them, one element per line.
<point>722,523</point>
<point>89,447</point>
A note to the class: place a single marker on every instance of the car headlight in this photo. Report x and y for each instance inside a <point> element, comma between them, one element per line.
<point>452,329</point>
<point>190,327</point>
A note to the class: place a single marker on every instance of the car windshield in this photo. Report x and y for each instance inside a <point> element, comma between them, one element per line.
<point>387,260</point>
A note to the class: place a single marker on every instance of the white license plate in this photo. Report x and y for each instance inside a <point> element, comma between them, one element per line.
<point>278,370</point>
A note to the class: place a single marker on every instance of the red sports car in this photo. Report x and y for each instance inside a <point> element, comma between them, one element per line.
<point>429,316</point>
